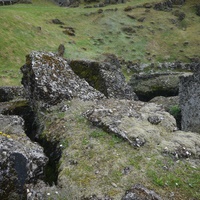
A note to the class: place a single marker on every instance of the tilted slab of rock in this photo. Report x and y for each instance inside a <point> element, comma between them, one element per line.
<point>144,124</point>
<point>105,77</point>
<point>147,86</point>
<point>134,121</point>
<point>49,79</point>
<point>21,161</point>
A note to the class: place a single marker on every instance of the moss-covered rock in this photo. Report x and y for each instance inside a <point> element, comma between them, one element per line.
<point>148,86</point>
<point>104,77</point>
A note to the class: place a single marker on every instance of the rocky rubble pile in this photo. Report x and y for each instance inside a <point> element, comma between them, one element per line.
<point>168,5</point>
<point>78,104</point>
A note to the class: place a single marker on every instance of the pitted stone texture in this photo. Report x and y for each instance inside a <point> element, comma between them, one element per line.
<point>139,192</point>
<point>9,93</point>
<point>21,161</point>
<point>130,120</point>
<point>190,102</point>
<point>166,102</point>
<point>168,4</point>
<point>160,67</point>
<point>182,145</point>
<point>148,86</point>
<point>105,77</point>
<point>49,79</point>
<point>12,125</point>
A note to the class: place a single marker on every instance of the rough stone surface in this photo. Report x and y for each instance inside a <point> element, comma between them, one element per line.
<point>180,15</point>
<point>49,79</point>
<point>147,86</point>
<point>182,145</point>
<point>139,192</point>
<point>114,1</point>
<point>120,118</point>
<point>105,77</point>
<point>61,50</point>
<point>166,102</point>
<point>57,21</point>
<point>21,161</point>
<point>168,5</point>
<point>198,9</point>
<point>9,93</point>
<point>67,3</point>
<point>7,2</point>
<point>189,102</point>
<point>156,67</point>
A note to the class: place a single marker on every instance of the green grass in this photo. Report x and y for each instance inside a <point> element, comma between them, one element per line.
<point>96,34</point>
<point>173,176</point>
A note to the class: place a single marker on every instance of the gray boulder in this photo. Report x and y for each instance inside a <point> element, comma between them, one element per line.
<point>21,161</point>
<point>189,102</point>
<point>49,79</point>
<point>131,120</point>
<point>160,67</point>
<point>9,93</point>
<point>148,86</point>
<point>171,105</point>
<point>105,77</point>
<point>168,4</point>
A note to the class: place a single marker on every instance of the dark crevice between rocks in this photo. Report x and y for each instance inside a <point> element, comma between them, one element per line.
<point>142,96</point>
<point>53,152</point>
<point>32,127</point>
<point>91,73</point>
<point>176,113</point>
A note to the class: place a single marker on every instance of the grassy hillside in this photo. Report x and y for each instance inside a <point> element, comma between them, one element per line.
<point>160,37</point>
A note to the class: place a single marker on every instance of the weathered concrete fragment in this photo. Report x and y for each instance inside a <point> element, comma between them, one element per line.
<point>190,102</point>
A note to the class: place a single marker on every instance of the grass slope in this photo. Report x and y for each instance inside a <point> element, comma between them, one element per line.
<point>27,27</point>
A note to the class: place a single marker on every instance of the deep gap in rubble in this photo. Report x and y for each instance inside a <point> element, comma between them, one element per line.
<point>31,126</point>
